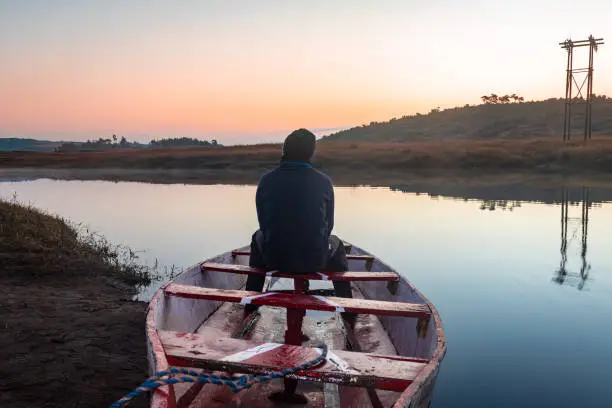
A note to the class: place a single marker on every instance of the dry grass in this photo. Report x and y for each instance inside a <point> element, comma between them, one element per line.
<point>523,154</point>
<point>473,154</point>
<point>34,244</point>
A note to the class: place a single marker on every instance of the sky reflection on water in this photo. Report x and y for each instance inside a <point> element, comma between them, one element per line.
<point>516,337</point>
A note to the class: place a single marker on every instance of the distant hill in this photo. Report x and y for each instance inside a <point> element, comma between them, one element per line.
<point>498,120</point>
<point>27,145</point>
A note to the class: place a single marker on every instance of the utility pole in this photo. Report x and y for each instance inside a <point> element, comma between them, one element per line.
<point>571,81</point>
<point>562,275</point>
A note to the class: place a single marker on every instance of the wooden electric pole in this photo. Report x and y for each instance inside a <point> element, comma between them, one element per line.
<point>571,81</point>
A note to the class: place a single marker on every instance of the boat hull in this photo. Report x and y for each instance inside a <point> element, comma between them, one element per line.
<point>394,335</point>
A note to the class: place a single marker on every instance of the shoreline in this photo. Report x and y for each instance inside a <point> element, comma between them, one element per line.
<point>465,184</point>
<point>541,155</point>
<point>71,335</point>
<point>542,161</point>
<point>340,177</point>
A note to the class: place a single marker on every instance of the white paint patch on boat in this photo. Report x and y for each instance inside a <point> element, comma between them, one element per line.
<point>338,362</point>
<point>329,302</point>
<point>271,273</point>
<point>323,276</point>
<point>246,354</point>
<point>248,299</point>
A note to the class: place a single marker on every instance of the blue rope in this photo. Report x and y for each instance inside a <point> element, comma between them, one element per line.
<point>236,383</point>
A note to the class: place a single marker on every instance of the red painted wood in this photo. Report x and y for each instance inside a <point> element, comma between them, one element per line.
<point>332,276</point>
<point>302,301</point>
<point>293,333</point>
<point>168,396</point>
<point>348,256</point>
<point>356,369</point>
<point>189,395</point>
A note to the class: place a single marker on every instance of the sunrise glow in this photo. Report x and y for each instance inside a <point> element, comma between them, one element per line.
<point>244,70</point>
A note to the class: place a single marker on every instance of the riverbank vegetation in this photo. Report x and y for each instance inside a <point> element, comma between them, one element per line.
<point>36,245</point>
<point>538,154</point>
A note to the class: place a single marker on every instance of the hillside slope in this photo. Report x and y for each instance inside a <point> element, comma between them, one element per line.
<point>486,121</point>
<point>27,145</point>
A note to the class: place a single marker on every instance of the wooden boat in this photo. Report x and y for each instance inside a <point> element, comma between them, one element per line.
<point>390,357</point>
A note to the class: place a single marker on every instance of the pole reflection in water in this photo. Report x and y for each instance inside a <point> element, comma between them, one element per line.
<point>562,275</point>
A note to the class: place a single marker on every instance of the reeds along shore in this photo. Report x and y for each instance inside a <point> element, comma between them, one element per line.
<point>41,246</point>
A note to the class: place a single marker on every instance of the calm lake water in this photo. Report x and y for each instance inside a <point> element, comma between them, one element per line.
<point>516,337</point>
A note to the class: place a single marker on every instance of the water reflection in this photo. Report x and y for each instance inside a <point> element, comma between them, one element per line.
<point>488,272</point>
<point>563,276</point>
<point>503,205</point>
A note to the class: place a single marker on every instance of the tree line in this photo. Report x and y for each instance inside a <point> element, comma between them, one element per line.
<point>182,141</point>
<point>122,143</point>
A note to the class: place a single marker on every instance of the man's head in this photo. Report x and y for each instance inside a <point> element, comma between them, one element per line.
<point>299,146</point>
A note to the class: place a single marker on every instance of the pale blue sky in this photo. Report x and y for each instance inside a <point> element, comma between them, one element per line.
<point>84,69</point>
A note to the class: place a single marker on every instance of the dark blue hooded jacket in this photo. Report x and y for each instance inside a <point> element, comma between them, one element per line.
<point>295,209</point>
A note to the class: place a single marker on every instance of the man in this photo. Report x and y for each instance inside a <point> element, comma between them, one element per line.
<point>295,210</point>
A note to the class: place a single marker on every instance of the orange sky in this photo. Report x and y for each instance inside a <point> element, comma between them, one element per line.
<point>79,70</point>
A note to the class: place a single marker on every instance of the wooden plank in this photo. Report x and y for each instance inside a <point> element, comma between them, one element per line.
<point>212,352</point>
<point>332,276</point>
<point>301,301</point>
<point>348,256</point>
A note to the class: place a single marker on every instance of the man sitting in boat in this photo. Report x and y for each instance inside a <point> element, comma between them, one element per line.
<point>295,210</point>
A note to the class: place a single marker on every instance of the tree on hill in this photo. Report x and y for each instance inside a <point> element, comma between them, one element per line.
<point>494,99</point>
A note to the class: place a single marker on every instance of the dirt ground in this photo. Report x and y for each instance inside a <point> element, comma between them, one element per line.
<point>77,343</point>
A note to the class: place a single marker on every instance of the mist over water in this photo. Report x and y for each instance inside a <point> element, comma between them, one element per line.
<point>522,279</point>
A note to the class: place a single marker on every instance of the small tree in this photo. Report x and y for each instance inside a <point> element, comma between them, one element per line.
<point>504,99</point>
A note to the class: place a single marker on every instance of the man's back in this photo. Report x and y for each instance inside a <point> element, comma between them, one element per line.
<point>295,208</point>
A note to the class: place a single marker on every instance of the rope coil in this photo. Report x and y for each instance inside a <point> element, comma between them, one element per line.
<point>236,383</point>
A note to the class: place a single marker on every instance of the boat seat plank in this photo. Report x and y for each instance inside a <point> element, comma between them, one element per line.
<point>332,276</point>
<point>212,352</point>
<point>348,256</point>
<point>301,301</point>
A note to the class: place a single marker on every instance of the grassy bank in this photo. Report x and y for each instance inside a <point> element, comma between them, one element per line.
<point>544,154</point>
<point>37,245</point>
<point>70,335</point>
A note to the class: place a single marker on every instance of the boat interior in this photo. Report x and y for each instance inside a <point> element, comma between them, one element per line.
<point>386,354</point>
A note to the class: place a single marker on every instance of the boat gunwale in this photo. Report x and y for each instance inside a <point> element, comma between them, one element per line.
<point>161,361</point>
<point>404,400</point>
